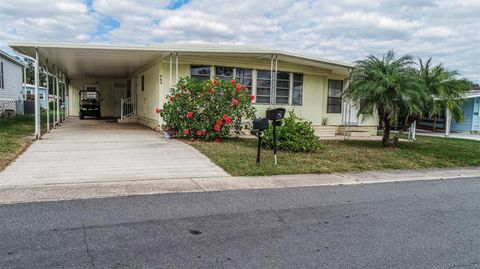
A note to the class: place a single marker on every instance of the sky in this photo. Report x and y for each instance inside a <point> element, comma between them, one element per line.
<point>341,30</point>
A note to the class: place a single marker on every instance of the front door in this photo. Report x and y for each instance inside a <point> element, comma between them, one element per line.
<point>119,92</point>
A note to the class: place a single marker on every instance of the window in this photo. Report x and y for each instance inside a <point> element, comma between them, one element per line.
<point>200,72</point>
<point>224,73</point>
<point>41,96</point>
<point>334,102</point>
<point>297,92</point>
<point>143,83</point>
<point>244,76</point>
<point>283,88</point>
<point>263,87</point>
<point>2,85</point>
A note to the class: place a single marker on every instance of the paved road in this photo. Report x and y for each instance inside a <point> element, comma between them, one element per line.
<point>425,224</point>
<point>93,150</point>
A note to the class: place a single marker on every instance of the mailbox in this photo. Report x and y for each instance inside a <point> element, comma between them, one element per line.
<point>276,114</point>
<point>260,124</point>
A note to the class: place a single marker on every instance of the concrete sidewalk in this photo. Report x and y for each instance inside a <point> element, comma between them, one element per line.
<point>56,192</point>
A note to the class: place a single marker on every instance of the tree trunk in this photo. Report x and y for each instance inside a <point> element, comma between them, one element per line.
<point>434,129</point>
<point>386,141</point>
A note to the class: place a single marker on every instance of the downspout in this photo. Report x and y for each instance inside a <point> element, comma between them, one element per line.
<point>275,82</point>
<point>171,69</point>
<point>176,68</point>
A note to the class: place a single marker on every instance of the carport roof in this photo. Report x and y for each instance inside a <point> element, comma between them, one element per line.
<point>82,61</point>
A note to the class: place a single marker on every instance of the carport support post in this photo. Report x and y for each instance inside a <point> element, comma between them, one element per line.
<point>58,99</point>
<point>63,97</point>
<point>48,104</point>
<point>37,108</point>
<point>66,101</point>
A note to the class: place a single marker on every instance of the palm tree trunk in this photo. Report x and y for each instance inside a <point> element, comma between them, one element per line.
<point>434,129</point>
<point>386,140</point>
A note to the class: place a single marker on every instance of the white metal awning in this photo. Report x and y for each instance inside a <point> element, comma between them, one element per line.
<point>106,61</point>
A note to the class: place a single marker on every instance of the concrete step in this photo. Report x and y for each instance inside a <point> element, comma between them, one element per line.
<point>130,119</point>
<point>325,131</point>
<point>358,133</point>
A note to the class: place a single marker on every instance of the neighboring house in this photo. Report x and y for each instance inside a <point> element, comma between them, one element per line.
<point>471,110</point>
<point>143,75</point>
<point>11,77</point>
<point>29,93</point>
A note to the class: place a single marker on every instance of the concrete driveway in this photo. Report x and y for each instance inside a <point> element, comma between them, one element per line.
<point>91,150</point>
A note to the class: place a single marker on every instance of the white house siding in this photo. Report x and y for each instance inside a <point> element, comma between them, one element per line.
<point>315,87</point>
<point>157,75</point>
<point>12,78</point>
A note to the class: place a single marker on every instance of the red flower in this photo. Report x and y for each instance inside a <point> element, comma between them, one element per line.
<point>177,95</point>
<point>217,128</point>
<point>157,110</point>
<point>189,115</point>
<point>185,131</point>
<point>252,97</point>
<point>246,89</point>
<point>239,87</point>
<point>227,121</point>
<point>234,102</point>
<point>225,116</point>
<point>171,98</point>
<point>215,82</point>
<point>217,139</point>
<point>232,82</point>
<point>219,122</point>
<point>211,90</point>
<point>199,133</point>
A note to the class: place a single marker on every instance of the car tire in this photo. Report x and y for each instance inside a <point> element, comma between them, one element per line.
<point>81,116</point>
<point>99,116</point>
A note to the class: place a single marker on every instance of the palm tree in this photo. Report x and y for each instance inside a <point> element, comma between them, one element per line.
<point>388,87</point>
<point>444,90</point>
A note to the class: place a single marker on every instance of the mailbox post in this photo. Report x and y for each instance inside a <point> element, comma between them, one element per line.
<point>276,115</point>
<point>259,126</point>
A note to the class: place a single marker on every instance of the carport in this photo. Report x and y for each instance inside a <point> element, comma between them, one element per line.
<point>108,68</point>
<point>100,150</point>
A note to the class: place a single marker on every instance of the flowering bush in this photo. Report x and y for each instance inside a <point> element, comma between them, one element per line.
<point>207,110</point>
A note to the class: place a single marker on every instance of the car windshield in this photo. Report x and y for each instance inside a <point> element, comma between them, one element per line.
<point>89,96</point>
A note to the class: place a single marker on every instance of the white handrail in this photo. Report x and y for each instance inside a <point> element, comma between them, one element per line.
<point>127,107</point>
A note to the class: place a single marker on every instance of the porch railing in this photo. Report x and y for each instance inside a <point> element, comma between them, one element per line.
<point>127,107</point>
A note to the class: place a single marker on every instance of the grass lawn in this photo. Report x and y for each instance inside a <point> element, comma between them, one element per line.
<point>237,156</point>
<point>16,135</point>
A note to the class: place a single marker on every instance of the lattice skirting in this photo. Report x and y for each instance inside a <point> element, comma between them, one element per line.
<point>7,105</point>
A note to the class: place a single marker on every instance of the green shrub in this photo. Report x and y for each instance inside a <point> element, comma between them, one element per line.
<point>207,110</point>
<point>296,135</point>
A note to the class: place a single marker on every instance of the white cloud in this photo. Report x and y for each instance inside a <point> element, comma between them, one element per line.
<point>344,30</point>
